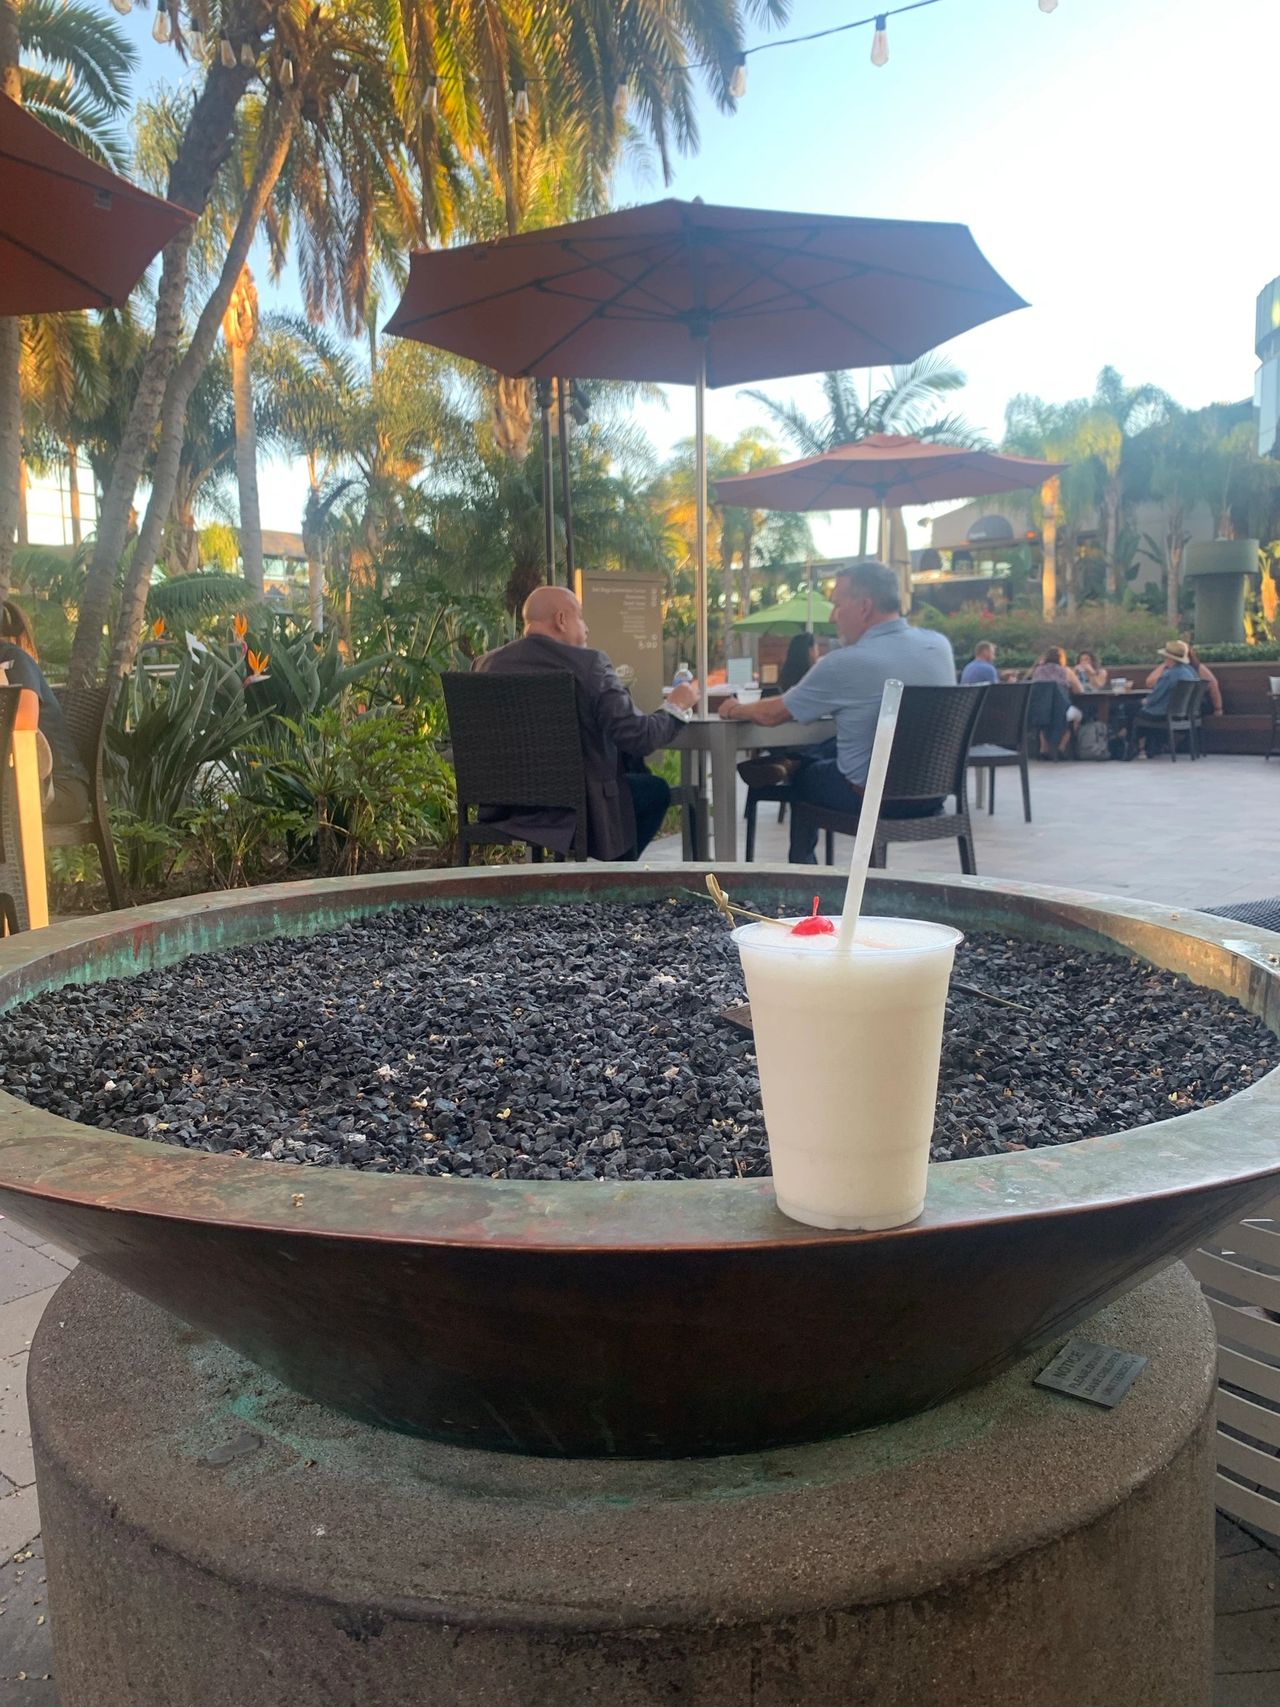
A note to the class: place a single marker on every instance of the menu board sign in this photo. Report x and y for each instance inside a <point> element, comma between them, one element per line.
<point>624,615</point>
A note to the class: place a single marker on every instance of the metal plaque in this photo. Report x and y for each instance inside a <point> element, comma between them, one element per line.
<point>1098,1373</point>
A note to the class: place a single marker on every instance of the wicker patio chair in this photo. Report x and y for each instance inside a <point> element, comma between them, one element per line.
<point>1000,738</point>
<point>1181,716</point>
<point>930,750</point>
<point>516,742</point>
<point>86,711</point>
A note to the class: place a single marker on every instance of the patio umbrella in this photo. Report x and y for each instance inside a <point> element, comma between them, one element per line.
<point>884,471</point>
<point>692,294</point>
<point>790,616</point>
<point>72,234</point>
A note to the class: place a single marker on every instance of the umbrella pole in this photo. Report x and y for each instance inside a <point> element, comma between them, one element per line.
<point>809,572</point>
<point>700,483</point>
<point>862,535</point>
<point>566,488</point>
<point>548,483</point>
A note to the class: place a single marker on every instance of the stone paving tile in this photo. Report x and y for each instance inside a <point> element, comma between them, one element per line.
<point>15,1430</point>
<point>19,1320</point>
<point>26,1649</point>
<point>55,1253</point>
<point>1229,1538</point>
<point>1248,1582</point>
<point>11,1229</point>
<point>1238,1689</point>
<point>19,1525</point>
<point>24,1271</point>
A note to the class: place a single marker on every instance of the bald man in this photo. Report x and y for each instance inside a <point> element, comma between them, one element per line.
<point>625,803</point>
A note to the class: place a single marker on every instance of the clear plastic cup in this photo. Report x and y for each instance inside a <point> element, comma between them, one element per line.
<point>848,1044</point>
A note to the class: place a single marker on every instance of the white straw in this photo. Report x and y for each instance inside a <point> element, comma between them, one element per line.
<point>869,813</point>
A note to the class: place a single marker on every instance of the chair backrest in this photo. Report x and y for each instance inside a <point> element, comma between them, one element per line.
<point>931,747</point>
<point>516,739</point>
<point>1198,699</point>
<point>1183,697</point>
<point>86,711</point>
<point>1002,720</point>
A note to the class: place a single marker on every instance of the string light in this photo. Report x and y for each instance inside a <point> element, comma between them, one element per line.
<point>738,77</point>
<point>1048,5</point>
<point>521,93</point>
<point>160,30</point>
<point>621,100</point>
<point>195,42</point>
<point>431,97</point>
<point>286,73</point>
<point>880,42</point>
<point>351,88</point>
<point>226,53</point>
<point>124,7</point>
<point>248,58</point>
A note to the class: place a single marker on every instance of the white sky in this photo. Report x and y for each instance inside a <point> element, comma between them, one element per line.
<point>1114,159</point>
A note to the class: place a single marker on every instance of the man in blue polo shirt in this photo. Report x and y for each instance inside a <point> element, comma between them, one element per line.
<point>847,684</point>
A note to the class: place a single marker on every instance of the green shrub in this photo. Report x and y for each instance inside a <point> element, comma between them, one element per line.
<point>1021,637</point>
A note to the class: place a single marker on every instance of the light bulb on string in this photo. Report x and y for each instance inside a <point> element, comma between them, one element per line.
<point>124,7</point>
<point>880,42</point>
<point>248,58</point>
<point>521,102</point>
<point>160,30</point>
<point>351,88</point>
<point>431,96</point>
<point>286,73</point>
<point>195,42</point>
<point>621,99</point>
<point>226,53</point>
<point>738,77</point>
<point>1048,5</point>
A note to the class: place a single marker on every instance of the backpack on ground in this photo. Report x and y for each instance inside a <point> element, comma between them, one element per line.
<point>1093,740</point>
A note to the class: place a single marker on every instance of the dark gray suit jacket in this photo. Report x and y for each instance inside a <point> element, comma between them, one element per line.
<point>611,727</point>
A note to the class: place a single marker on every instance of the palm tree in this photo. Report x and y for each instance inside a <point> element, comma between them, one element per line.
<point>1057,432</point>
<point>239,333</point>
<point>1117,412</point>
<point>71,65</point>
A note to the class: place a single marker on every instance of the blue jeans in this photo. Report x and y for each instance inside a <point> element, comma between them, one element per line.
<point>823,783</point>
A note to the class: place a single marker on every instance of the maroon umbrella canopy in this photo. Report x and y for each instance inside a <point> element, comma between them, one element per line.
<point>884,470</point>
<point>72,234</point>
<point>644,293</point>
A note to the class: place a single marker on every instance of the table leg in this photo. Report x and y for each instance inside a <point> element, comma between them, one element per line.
<point>724,792</point>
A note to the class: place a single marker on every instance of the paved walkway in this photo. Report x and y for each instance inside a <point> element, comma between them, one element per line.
<point>1191,835</point>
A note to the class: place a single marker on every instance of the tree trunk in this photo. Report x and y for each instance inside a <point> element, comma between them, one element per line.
<point>73,493</point>
<point>24,482</point>
<point>203,149</point>
<point>1071,569</point>
<point>1175,541</point>
<point>1111,536</point>
<point>240,330</point>
<point>273,151</point>
<point>10,342</point>
<point>1049,495</point>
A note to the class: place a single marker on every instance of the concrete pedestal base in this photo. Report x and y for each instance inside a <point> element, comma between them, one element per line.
<point>215,1541</point>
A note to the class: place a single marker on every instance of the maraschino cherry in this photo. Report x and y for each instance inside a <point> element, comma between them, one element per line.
<point>815,924</point>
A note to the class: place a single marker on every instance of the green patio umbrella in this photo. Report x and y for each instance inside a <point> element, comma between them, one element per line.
<point>789,617</point>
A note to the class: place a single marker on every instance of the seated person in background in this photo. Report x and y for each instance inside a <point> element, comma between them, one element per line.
<point>1177,667</point>
<point>777,768</point>
<point>847,684</point>
<point>1213,694</point>
<point>981,667</point>
<point>1090,672</point>
<point>802,655</point>
<point>625,802</point>
<point>1053,667</point>
<point>67,792</point>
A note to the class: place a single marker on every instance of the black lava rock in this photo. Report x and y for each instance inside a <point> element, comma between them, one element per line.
<point>581,1042</point>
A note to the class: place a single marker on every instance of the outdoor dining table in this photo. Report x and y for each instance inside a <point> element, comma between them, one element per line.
<point>1094,701</point>
<point>725,742</point>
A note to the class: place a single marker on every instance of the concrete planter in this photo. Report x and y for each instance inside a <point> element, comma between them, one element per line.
<point>1219,569</point>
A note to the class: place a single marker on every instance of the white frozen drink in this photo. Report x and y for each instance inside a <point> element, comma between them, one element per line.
<point>848,1043</point>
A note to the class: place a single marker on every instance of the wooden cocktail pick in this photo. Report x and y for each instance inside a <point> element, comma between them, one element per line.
<point>729,908</point>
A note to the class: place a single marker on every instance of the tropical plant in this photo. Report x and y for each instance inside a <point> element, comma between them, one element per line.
<point>1116,414</point>
<point>1058,432</point>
